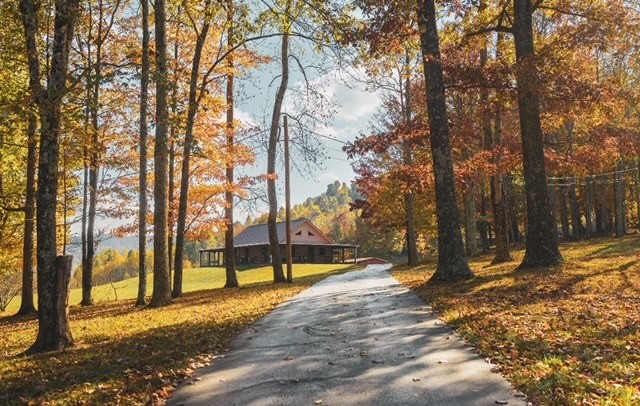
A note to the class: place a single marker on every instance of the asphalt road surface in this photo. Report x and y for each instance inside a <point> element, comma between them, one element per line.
<point>359,338</point>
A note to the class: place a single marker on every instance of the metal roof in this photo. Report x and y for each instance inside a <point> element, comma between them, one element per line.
<point>259,234</point>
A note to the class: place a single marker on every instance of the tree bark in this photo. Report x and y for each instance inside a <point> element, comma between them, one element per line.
<point>230,263</point>
<point>192,110</point>
<point>602,217</point>
<point>58,334</point>
<point>576,217</point>
<point>27,306</point>
<point>588,212</point>
<point>274,243</point>
<point>142,212</point>
<point>53,327</point>
<point>542,239</point>
<point>86,142</point>
<point>161,279</point>
<point>564,211</point>
<point>407,158</point>
<point>512,209</point>
<point>452,262</point>
<point>620,200</point>
<point>469,208</point>
<point>636,176</point>
<point>493,138</point>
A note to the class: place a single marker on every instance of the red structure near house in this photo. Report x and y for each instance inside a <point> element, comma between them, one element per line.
<point>309,245</point>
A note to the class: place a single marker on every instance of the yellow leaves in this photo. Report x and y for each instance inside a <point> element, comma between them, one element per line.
<point>137,356</point>
<point>565,337</point>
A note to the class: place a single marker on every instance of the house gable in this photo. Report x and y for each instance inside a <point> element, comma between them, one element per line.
<point>307,233</point>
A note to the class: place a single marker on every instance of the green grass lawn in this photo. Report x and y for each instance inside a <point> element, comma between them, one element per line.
<point>564,336</point>
<point>130,355</point>
<point>194,279</point>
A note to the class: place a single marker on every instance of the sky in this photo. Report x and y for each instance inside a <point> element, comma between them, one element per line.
<point>255,93</point>
<point>354,110</point>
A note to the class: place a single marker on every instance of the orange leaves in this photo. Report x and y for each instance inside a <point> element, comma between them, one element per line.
<point>565,336</point>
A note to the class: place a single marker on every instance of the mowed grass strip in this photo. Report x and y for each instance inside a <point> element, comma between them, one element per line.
<point>564,336</point>
<point>127,355</point>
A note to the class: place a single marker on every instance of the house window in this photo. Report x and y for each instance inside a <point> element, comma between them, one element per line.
<point>310,233</point>
<point>299,232</point>
<point>322,251</point>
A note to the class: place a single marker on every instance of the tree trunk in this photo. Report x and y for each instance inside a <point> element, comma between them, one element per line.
<point>588,212</point>
<point>86,145</point>
<point>407,158</point>
<point>27,306</point>
<point>620,200</point>
<point>469,208</point>
<point>553,201</point>
<point>55,334</point>
<point>192,110</point>
<point>636,175</point>
<point>53,327</point>
<point>171,215</point>
<point>230,265</point>
<point>482,226</point>
<point>452,263</point>
<point>142,212</point>
<point>500,223</point>
<point>564,211</point>
<point>161,279</point>
<point>412,248</point>
<point>602,216</point>
<point>576,217</point>
<point>512,209</point>
<point>274,243</point>
<point>542,240</point>
<point>170,208</point>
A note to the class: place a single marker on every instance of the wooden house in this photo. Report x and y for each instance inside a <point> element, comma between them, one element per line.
<point>309,245</point>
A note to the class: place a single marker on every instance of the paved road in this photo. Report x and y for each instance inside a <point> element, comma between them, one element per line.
<point>359,338</point>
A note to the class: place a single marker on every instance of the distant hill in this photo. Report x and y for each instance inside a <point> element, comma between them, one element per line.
<point>329,211</point>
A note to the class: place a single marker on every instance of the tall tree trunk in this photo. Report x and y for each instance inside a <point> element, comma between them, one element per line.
<point>494,139</point>
<point>274,241</point>
<point>588,212</point>
<point>53,321</point>
<point>142,211</point>
<point>553,201</point>
<point>171,198</point>
<point>482,225</point>
<point>469,209</point>
<point>602,216</point>
<point>177,279</point>
<point>512,209</point>
<point>542,240</point>
<point>576,216</point>
<point>27,306</point>
<point>230,266</point>
<point>564,211</point>
<point>161,279</point>
<point>86,143</point>
<point>192,110</point>
<point>620,200</point>
<point>636,175</point>
<point>407,158</point>
<point>452,262</point>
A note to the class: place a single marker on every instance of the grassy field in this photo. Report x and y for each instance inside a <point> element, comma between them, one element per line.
<point>564,336</point>
<point>194,279</point>
<point>127,355</point>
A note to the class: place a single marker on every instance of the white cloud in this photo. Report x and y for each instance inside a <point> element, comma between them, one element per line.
<point>328,177</point>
